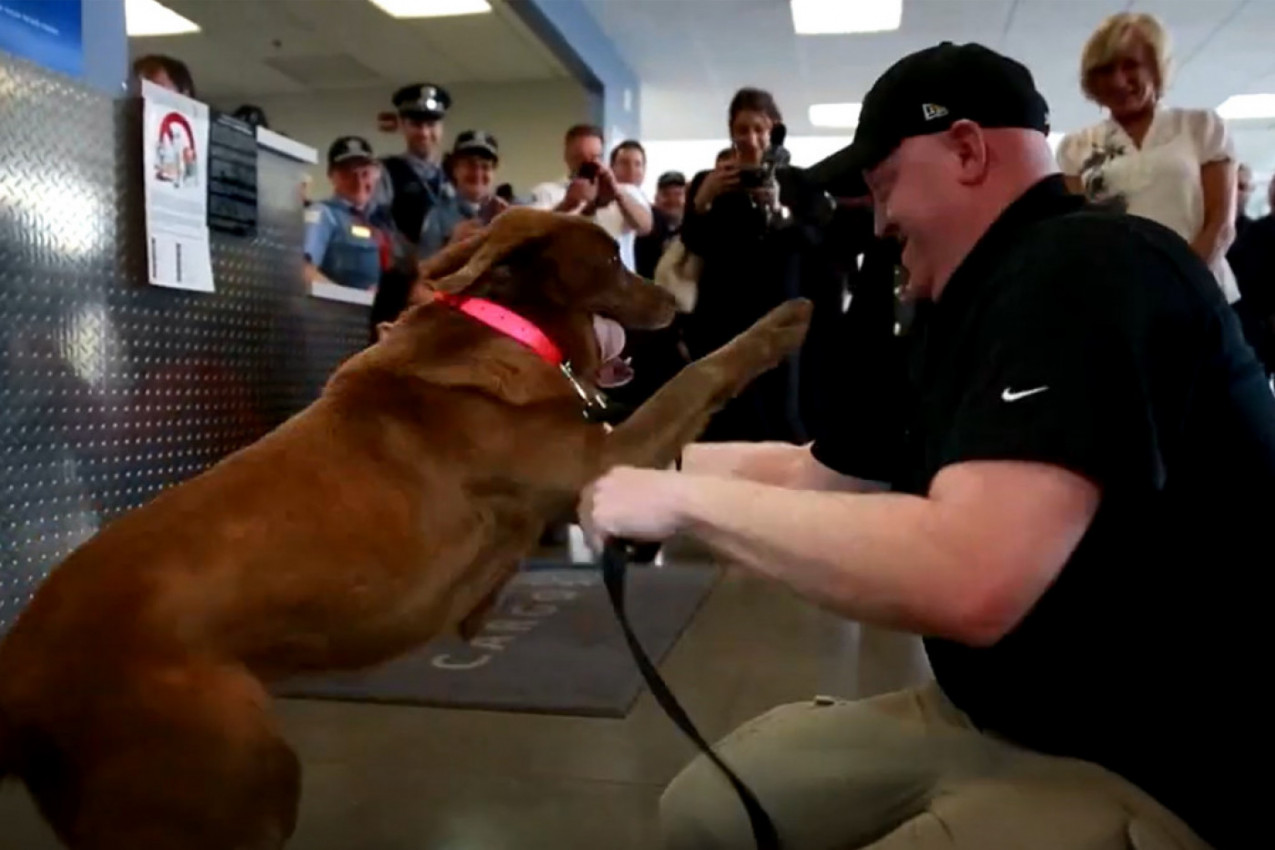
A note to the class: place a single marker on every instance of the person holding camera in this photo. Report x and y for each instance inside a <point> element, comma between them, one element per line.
<point>593,190</point>
<point>468,201</point>
<point>750,263</point>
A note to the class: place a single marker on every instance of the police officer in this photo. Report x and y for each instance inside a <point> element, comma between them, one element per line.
<point>468,201</point>
<point>413,181</point>
<point>348,240</point>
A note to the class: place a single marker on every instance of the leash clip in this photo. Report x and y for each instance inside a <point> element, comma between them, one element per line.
<point>594,403</point>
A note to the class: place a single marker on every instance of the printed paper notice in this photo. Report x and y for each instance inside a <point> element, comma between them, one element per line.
<point>175,158</point>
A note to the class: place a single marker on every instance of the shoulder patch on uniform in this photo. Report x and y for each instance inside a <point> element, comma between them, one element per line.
<point>313,215</point>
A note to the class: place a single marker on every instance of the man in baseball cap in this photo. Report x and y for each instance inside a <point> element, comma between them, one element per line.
<point>1079,452</point>
<point>927,93</point>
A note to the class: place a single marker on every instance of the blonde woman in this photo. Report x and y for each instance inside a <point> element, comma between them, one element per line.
<point>1174,166</point>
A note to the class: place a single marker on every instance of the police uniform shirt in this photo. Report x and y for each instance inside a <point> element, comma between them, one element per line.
<point>347,246</point>
<point>1100,343</point>
<point>409,188</point>
<point>442,219</point>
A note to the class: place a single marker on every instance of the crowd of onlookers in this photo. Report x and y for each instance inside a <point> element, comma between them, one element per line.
<point>731,246</point>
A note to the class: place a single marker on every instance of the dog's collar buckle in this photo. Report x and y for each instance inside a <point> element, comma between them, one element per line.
<point>595,404</point>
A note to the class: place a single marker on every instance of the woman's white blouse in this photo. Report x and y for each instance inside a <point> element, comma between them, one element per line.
<point>1161,180</point>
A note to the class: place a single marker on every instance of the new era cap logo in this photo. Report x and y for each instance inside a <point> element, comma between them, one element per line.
<point>933,110</point>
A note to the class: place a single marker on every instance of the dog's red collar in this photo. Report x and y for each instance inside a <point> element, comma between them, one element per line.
<point>507,322</point>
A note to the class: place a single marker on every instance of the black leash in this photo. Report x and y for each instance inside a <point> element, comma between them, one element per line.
<point>616,557</point>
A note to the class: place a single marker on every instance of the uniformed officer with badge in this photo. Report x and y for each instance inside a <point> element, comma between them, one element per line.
<point>348,240</point>
<point>413,181</point>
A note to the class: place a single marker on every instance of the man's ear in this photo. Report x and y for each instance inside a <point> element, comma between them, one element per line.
<point>383,328</point>
<point>969,143</point>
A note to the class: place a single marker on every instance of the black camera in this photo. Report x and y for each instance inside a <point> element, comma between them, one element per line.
<point>753,176</point>
<point>588,171</point>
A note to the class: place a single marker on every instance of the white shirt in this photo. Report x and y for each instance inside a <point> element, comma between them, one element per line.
<point>1160,180</point>
<point>546,196</point>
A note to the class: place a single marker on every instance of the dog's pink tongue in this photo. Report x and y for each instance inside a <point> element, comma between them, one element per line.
<point>613,372</point>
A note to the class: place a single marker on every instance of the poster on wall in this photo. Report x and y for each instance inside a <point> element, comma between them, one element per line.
<point>49,32</point>
<point>174,167</point>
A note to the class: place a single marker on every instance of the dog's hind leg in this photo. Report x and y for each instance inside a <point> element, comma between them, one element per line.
<point>190,759</point>
<point>678,412</point>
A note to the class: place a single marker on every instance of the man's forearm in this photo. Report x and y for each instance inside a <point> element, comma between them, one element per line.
<point>884,559</point>
<point>636,213</point>
<point>765,463</point>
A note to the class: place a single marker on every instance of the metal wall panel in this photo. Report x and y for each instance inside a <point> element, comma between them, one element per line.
<point>111,389</point>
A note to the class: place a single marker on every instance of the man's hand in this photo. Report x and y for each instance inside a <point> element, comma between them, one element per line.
<point>608,186</point>
<point>465,229</point>
<point>579,193</point>
<point>633,504</point>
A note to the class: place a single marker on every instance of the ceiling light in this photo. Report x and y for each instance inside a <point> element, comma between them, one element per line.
<point>147,17</point>
<point>824,17</point>
<point>835,114</point>
<point>1240,106</point>
<point>432,8</point>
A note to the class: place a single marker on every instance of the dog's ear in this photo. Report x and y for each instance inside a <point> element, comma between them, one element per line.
<point>460,264</point>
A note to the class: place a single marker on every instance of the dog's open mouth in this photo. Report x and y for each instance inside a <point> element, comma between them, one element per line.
<point>614,370</point>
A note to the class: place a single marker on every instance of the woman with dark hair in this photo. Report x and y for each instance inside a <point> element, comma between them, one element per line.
<point>750,265</point>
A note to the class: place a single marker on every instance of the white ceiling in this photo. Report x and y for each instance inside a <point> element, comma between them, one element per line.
<point>252,48</point>
<point>691,55</point>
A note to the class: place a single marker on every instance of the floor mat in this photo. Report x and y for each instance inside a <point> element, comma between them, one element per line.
<point>552,646</point>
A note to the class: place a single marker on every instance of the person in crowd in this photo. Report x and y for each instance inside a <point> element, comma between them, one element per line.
<point>505,191</point>
<point>468,201</point>
<point>1243,196</point>
<point>1172,165</point>
<point>656,355</point>
<point>1067,492</point>
<point>666,222</point>
<point>348,239</point>
<point>628,161</point>
<point>252,115</point>
<point>747,267</point>
<point>592,189</point>
<point>412,182</point>
<point>165,71</point>
<point>1253,259</point>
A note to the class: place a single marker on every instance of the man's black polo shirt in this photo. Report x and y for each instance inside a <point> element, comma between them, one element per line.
<point>1100,343</point>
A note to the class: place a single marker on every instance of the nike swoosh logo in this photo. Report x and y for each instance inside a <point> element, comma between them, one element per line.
<point>1008,395</point>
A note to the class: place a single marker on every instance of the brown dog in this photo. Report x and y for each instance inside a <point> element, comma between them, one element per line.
<point>133,695</point>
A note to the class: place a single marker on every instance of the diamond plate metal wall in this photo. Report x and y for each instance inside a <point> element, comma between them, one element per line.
<point>111,389</point>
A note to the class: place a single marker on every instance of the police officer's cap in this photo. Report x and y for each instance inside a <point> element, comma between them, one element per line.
<point>348,150</point>
<point>422,101</point>
<point>479,143</point>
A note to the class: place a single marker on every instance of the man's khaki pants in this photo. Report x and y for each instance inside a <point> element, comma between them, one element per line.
<point>906,770</point>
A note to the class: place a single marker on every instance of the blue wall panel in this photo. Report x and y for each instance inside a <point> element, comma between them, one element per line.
<point>83,39</point>
<point>575,37</point>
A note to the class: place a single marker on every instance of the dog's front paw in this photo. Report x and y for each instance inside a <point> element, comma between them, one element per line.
<point>784,328</point>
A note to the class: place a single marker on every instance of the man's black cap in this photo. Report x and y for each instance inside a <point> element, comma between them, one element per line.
<point>422,101</point>
<point>671,178</point>
<point>349,149</point>
<point>927,92</point>
<point>477,142</point>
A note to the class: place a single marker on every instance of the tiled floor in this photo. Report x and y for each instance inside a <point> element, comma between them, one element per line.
<point>393,778</point>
